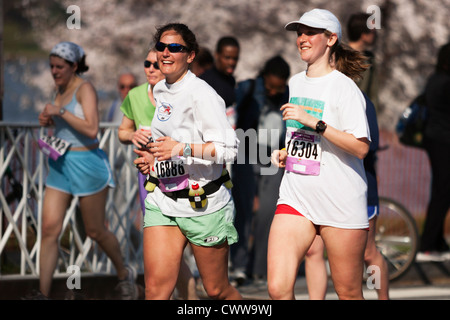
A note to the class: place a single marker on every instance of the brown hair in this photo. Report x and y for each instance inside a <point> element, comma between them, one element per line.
<point>350,62</point>
<point>81,65</point>
<point>183,30</point>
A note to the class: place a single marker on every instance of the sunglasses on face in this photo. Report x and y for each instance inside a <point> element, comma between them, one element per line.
<point>147,64</point>
<point>173,47</point>
<point>127,86</point>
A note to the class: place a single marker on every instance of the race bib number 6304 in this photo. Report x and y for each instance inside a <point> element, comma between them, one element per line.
<point>304,153</point>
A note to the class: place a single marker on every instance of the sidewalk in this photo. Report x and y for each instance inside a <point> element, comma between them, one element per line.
<point>427,273</point>
<point>101,287</point>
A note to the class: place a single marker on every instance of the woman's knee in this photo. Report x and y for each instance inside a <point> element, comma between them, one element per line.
<point>370,254</point>
<point>279,291</point>
<point>50,229</point>
<point>215,293</point>
<point>96,234</point>
<point>158,289</point>
<point>346,293</point>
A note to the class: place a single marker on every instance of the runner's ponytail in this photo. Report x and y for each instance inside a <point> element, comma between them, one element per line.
<point>350,62</point>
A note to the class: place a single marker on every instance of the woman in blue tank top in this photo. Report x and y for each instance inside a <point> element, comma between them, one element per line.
<point>82,170</point>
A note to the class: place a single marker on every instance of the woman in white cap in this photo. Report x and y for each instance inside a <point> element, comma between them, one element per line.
<point>324,188</point>
<point>81,169</point>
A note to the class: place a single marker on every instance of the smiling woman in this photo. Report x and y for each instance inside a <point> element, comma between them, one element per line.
<point>323,191</point>
<point>174,54</point>
<point>193,140</point>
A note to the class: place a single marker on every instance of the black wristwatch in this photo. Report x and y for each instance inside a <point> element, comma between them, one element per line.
<point>321,127</point>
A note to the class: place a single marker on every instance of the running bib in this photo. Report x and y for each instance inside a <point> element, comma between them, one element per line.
<point>172,175</point>
<point>52,146</point>
<point>303,151</point>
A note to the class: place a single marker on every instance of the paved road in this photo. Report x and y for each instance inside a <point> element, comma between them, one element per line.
<point>424,281</point>
<point>396,292</point>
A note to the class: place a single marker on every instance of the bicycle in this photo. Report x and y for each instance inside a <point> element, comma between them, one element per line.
<point>396,237</point>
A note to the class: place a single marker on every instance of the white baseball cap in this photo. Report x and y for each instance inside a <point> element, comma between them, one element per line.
<point>318,18</point>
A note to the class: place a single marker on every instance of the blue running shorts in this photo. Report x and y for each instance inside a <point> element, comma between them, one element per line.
<point>372,211</point>
<point>80,173</point>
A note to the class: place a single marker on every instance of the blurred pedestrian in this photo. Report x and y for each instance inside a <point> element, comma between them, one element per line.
<point>191,204</point>
<point>433,246</point>
<point>126,82</point>
<point>137,110</point>
<point>83,170</point>
<point>221,75</point>
<point>324,188</point>
<point>363,39</point>
<point>258,103</point>
<point>202,62</point>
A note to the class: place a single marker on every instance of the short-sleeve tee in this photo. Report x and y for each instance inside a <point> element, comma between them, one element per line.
<point>137,106</point>
<point>332,189</point>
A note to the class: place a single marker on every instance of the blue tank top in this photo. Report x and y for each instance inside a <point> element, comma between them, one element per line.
<point>64,131</point>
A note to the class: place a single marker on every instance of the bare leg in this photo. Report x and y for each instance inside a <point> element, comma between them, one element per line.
<point>163,251</point>
<point>53,212</point>
<point>345,249</point>
<point>186,285</point>
<point>373,257</point>
<point>316,271</point>
<point>289,239</point>
<point>93,212</point>
<point>212,263</point>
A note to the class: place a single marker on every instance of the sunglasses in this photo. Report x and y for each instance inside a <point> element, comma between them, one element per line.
<point>147,64</point>
<point>173,47</point>
<point>127,86</point>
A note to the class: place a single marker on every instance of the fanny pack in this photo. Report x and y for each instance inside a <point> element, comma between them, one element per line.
<point>209,188</point>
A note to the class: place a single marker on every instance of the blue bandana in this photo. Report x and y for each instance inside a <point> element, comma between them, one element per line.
<point>68,51</point>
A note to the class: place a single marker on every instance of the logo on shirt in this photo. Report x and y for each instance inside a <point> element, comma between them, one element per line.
<point>164,111</point>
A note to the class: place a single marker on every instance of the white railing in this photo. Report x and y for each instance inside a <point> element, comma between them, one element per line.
<point>23,169</point>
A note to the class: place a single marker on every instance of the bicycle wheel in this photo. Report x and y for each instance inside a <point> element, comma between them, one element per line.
<point>396,237</point>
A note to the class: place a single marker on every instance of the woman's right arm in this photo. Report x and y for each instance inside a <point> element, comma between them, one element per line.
<point>128,134</point>
<point>45,120</point>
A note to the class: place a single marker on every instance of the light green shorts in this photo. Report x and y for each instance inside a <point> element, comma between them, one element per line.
<point>207,231</point>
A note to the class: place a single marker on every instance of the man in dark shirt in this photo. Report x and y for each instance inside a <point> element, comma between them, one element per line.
<point>433,244</point>
<point>220,76</point>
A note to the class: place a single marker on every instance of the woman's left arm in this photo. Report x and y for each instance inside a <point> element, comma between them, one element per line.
<point>346,141</point>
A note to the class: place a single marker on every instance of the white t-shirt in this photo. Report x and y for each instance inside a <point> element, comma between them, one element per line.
<point>328,185</point>
<point>190,111</point>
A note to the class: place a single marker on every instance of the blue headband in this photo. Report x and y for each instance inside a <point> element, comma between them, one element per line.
<point>68,51</point>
